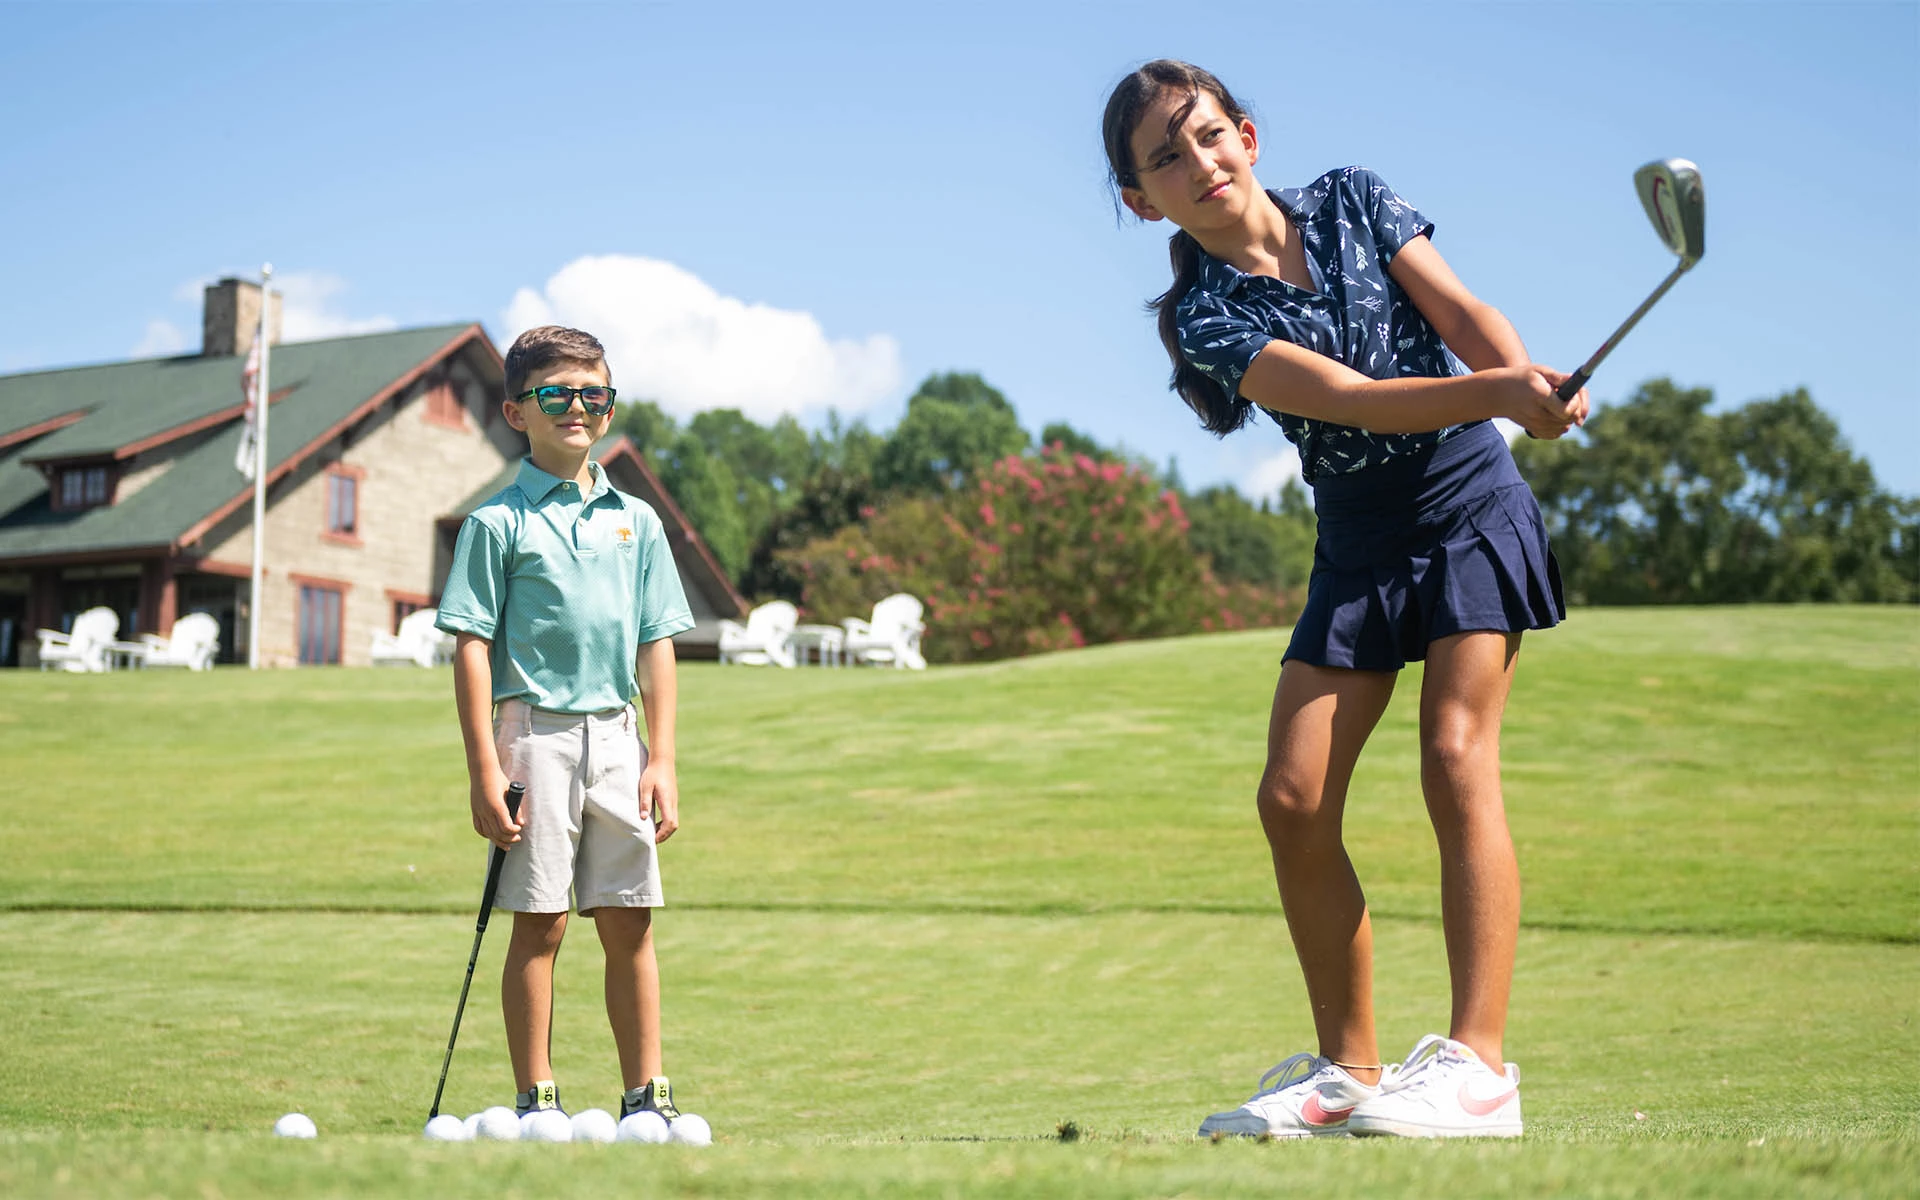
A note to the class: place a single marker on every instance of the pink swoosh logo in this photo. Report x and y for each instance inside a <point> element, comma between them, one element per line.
<point>1480,1108</point>
<point>1315,1113</point>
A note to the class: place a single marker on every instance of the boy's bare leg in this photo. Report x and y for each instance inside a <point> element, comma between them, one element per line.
<point>1321,719</point>
<point>1462,701</point>
<point>633,990</point>
<point>526,995</point>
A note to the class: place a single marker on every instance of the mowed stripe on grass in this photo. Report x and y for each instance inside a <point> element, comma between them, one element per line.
<point>865,1054</point>
<point>799,1027</point>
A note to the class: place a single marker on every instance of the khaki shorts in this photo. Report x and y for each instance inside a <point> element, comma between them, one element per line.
<point>581,829</point>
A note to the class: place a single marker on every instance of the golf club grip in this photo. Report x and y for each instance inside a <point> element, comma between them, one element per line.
<point>1572,386</point>
<point>498,859</point>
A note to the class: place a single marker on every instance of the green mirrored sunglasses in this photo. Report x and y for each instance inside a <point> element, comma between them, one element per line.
<point>555,399</point>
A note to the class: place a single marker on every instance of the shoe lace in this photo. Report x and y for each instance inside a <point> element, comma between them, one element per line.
<point>1284,1075</point>
<point>1426,1052</point>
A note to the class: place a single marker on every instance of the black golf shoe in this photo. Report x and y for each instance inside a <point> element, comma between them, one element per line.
<point>657,1095</point>
<point>540,1096</point>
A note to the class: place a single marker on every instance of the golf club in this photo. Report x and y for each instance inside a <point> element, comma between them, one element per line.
<point>515,791</point>
<point>1676,203</point>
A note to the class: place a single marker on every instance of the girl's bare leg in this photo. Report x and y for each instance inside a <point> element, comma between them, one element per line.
<point>1462,701</point>
<point>1321,719</point>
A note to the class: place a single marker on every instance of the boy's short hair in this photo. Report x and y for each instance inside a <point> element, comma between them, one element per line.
<point>545,345</point>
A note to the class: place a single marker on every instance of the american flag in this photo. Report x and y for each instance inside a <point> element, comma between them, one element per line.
<point>250,429</point>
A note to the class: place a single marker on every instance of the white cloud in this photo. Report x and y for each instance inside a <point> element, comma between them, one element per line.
<point>672,338</point>
<point>307,312</point>
<point>161,338</point>
<point>1269,475</point>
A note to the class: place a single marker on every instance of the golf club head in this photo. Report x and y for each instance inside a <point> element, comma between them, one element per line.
<point>1676,203</point>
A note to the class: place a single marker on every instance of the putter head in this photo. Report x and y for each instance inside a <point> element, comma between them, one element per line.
<point>1676,203</point>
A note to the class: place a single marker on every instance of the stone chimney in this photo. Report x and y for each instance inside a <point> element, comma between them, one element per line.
<point>231,318</point>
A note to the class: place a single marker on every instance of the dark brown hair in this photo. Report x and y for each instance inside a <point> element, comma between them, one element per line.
<point>545,345</point>
<point>1219,412</point>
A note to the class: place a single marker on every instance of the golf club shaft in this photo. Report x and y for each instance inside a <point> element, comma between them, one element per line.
<point>1578,379</point>
<point>495,861</point>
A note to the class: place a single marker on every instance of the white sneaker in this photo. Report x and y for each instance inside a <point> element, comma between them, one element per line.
<point>1305,1096</point>
<point>1442,1090</point>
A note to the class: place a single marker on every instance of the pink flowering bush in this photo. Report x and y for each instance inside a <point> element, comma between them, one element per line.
<point>1040,553</point>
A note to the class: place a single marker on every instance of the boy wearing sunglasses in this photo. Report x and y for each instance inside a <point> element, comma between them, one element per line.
<point>563,598</point>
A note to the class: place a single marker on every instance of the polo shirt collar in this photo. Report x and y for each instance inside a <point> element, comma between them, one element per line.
<point>1223,278</point>
<point>1219,277</point>
<point>536,484</point>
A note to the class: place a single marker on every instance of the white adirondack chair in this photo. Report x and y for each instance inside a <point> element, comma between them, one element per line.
<point>83,649</point>
<point>194,642</point>
<point>417,644</point>
<point>892,638</point>
<point>765,640</point>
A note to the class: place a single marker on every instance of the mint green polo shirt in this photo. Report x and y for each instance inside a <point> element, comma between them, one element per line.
<point>567,588</point>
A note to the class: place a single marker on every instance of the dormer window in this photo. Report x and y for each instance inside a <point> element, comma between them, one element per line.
<point>84,487</point>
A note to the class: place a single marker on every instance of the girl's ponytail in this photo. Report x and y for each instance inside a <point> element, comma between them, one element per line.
<point>1219,413</point>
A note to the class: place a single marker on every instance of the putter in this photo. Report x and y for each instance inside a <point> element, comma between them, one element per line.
<point>496,860</point>
<point>1676,203</point>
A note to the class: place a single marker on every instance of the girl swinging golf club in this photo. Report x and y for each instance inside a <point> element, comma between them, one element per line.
<point>1328,307</point>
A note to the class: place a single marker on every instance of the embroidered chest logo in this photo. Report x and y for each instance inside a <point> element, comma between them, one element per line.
<point>626,537</point>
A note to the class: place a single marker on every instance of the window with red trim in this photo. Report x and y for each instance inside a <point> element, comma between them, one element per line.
<point>320,612</point>
<point>343,504</point>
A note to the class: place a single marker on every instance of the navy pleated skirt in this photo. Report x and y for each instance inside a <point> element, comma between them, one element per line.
<point>1421,548</point>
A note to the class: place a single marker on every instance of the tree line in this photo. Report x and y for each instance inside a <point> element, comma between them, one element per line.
<point>1660,501</point>
<point>1022,542</point>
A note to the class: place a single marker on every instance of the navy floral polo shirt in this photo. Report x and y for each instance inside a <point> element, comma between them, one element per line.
<point>1351,225</point>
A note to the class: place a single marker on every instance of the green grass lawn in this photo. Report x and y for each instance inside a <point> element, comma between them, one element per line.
<point>922,923</point>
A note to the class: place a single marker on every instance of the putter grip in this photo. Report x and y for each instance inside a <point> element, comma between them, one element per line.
<point>515,793</point>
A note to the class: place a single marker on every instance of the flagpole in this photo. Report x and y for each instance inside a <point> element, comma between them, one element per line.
<point>263,392</point>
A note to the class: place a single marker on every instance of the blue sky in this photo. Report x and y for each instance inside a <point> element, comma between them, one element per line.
<point>782,206</point>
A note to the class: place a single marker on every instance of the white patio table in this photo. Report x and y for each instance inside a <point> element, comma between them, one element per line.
<point>825,643</point>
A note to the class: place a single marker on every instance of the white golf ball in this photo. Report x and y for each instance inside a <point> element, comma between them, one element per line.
<point>497,1124</point>
<point>546,1125</point>
<point>593,1125</point>
<point>645,1126</point>
<point>446,1128</point>
<point>295,1125</point>
<point>471,1124</point>
<point>689,1130</point>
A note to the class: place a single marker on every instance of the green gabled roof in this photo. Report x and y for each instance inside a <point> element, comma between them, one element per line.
<point>125,402</point>
<point>36,399</point>
<point>130,402</point>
